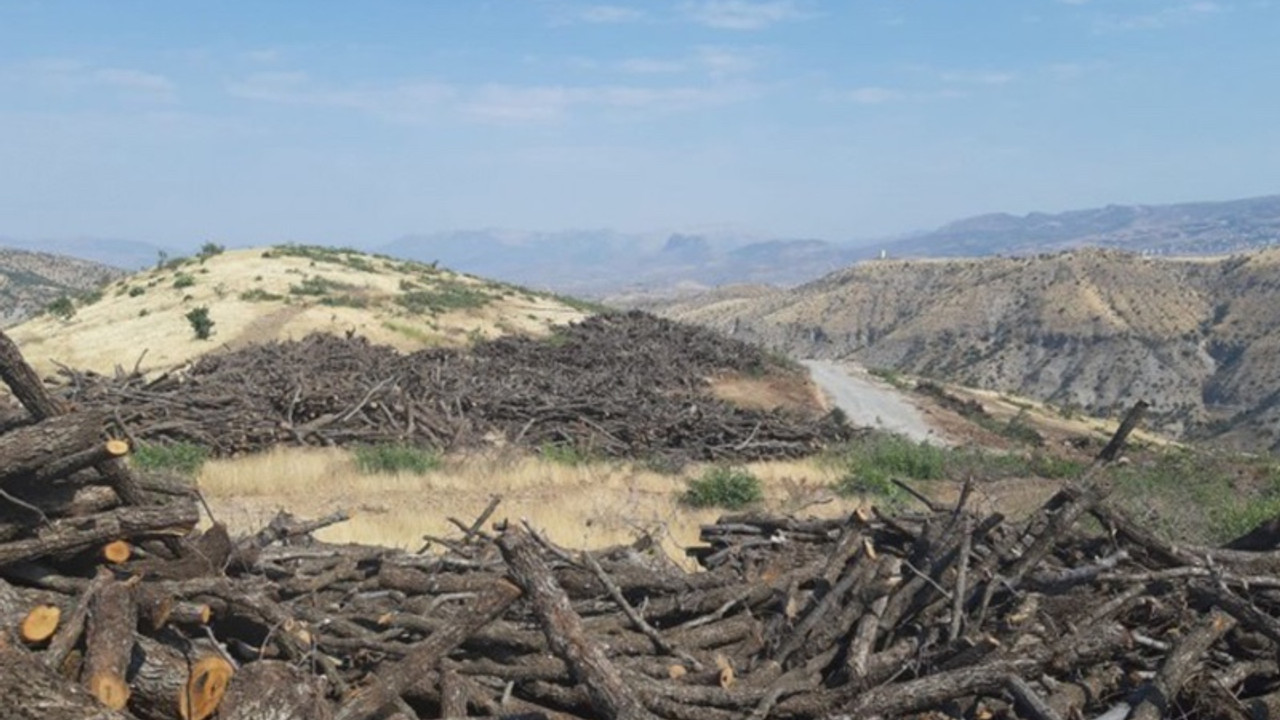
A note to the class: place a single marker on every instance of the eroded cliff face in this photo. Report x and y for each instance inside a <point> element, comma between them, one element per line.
<point>1095,330</point>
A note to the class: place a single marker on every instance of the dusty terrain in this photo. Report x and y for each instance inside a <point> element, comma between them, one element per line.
<point>1088,331</point>
<point>259,295</point>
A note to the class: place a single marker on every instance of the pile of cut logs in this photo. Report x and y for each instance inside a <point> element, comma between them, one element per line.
<point>621,385</point>
<point>113,605</point>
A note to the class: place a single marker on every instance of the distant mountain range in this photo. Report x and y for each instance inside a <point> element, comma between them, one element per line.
<point>607,263</point>
<point>1200,228</point>
<point>29,281</point>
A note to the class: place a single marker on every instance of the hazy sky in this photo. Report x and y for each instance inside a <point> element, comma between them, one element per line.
<point>265,121</point>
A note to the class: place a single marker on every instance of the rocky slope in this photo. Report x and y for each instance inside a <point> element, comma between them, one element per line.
<point>1092,329</point>
<point>29,281</point>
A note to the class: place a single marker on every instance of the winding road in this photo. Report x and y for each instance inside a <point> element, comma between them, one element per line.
<point>870,402</point>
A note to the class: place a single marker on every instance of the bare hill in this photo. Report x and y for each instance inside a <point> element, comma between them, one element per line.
<point>1092,329</point>
<point>30,281</point>
<point>259,295</point>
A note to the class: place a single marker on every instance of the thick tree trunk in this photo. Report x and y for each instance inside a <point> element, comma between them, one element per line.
<point>170,682</point>
<point>563,628</point>
<point>26,449</point>
<point>113,617</point>
<point>273,690</point>
<point>78,533</point>
<point>31,691</point>
<point>26,386</point>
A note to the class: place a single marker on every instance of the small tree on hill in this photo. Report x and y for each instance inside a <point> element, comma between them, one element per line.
<point>201,323</point>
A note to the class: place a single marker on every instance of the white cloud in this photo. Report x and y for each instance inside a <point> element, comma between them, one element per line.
<point>415,102</point>
<point>721,62</point>
<point>741,14</point>
<point>874,95</point>
<point>406,102</point>
<point>133,80</point>
<point>969,77</point>
<point>62,75</point>
<point>651,66</point>
<point>609,14</point>
<point>879,95</point>
<point>1178,14</point>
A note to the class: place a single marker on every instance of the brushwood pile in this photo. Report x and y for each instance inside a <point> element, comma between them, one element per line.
<point>615,385</point>
<point>117,602</point>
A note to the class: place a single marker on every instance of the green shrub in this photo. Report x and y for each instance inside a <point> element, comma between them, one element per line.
<point>210,249</point>
<point>64,307</point>
<point>88,298</point>
<point>395,458</point>
<point>200,321</point>
<point>887,454</point>
<point>564,454</point>
<point>317,286</point>
<point>259,295</point>
<point>727,487</point>
<point>183,280</point>
<point>137,291</point>
<point>444,296</point>
<point>183,457</point>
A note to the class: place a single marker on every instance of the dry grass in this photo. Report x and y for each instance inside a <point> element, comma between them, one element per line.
<point>119,327</point>
<point>590,505</point>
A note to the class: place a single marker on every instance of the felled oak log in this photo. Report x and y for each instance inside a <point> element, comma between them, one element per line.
<point>174,518</point>
<point>31,691</point>
<point>113,616</point>
<point>273,690</point>
<point>26,449</point>
<point>168,682</point>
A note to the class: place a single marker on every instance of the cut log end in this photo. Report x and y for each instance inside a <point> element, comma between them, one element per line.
<point>40,624</point>
<point>205,688</point>
<point>116,552</point>
<point>110,691</point>
<point>117,448</point>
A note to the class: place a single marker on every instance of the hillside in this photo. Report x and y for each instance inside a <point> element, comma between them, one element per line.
<point>258,295</point>
<point>29,281</point>
<point>1197,228</point>
<point>1090,330</point>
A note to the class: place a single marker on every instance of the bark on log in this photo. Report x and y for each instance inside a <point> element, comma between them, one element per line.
<point>392,680</point>
<point>273,690</point>
<point>26,386</point>
<point>563,627</point>
<point>78,533</point>
<point>31,691</point>
<point>29,448</point>
<point>173,678</point>
<point>113,617</point>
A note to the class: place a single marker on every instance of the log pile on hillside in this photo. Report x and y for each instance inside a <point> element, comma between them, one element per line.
<point>616,385</point>
<point>112,606</point>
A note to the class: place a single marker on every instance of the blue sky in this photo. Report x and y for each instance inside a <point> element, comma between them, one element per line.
<point>265,121</point>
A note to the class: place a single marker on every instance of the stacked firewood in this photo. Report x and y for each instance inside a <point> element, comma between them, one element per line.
<point>112,605</point>
<point>622,385</point>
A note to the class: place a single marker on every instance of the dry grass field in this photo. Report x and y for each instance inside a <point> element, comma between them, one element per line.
<point>591,504</point>
<point>258,295</point>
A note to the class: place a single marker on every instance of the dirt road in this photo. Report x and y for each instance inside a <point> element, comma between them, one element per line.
<point>869,401</point>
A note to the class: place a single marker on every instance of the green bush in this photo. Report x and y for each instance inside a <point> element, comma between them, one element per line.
<point>210,249</point>
<point>444,296</point>
<point>183,457</point>
<point>64,307</point>
<point>259,295</point>
<point>137,291</point>
<point>200,321</point>
<point>727,487</point>
<point>396,457</point>
<point>183,280</point>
